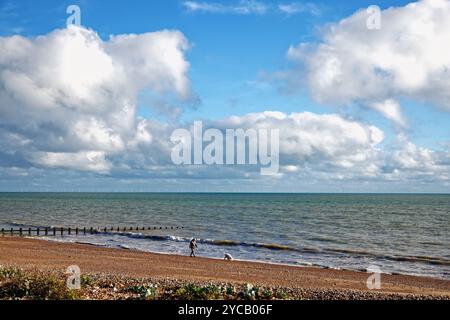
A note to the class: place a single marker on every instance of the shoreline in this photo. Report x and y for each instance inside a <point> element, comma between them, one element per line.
<point>298,264</point>
<point>49,256</point>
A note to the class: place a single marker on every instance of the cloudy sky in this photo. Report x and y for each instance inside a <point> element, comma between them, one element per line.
<point>92,108</point>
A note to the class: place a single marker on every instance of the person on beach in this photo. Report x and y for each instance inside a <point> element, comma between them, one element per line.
<point>193,246</point>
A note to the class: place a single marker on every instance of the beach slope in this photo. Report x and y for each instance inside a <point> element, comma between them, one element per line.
<point>56,257</point>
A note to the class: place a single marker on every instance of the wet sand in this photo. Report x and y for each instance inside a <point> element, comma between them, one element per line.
<point>54,256</point>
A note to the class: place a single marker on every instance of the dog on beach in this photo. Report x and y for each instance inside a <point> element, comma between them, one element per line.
<point>228,257</point>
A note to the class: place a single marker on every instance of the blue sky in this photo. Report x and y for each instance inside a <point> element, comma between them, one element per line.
<point>235,60</point>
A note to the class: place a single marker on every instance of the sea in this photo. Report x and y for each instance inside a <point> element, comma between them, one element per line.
<point>398,233</point>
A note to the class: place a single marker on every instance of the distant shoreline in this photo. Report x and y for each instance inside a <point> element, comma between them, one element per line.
<point>57,256</point>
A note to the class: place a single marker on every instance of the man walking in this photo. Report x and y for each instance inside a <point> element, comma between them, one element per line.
<point>193,246</point>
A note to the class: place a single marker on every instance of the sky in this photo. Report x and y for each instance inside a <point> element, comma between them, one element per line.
<point>361,98</point>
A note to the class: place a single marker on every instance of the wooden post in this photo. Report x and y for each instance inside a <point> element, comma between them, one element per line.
<point>20,231</point>
<point>62,231</point>
<point>54,231</point>
<point>70,231</point>
<point>12,231</point>
<point>92,230</point>
<point>29,231</point>
<point>76,231</point>
<point>84,230</point>
<point>46,231</point>
<point>3,231</point>
<point>37,232</point>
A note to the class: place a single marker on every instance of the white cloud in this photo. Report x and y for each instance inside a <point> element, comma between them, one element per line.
<point>242,7</point>
<point>317,141</point>
<point>391,110</point>
<point>419,163</point>
<point>299,7</point>
<point>409,57</point>
<point>85,161</point>
<point>69,93</point>
<point>247,7</point>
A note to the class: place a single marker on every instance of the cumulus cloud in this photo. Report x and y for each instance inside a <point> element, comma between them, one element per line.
<point>69,95</point>
<point>308,139</point>
<point>325,147</point>
<point>423,164</point>
<point>408,57</point>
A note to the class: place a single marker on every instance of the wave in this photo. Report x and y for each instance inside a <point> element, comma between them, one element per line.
<point>227,243</point>
<point>280,247</point>
<point>423,259</point>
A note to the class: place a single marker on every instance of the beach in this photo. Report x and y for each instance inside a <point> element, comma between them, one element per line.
<point>312,282</point>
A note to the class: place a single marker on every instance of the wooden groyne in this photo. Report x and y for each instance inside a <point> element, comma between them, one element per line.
<point>61,231</point>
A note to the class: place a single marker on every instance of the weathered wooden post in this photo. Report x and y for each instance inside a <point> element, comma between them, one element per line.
<point>20,231</point>
<point>46,231</point>
<point>76,231</point>
<point>70,231</point>
<point>54,231</point>
<point>62,231</point>
<point>37,231</point>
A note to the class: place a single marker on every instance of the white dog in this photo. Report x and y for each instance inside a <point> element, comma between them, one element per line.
<point>228,257</point>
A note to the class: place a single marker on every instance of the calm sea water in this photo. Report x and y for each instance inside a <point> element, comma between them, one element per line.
<point>408,234</point>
